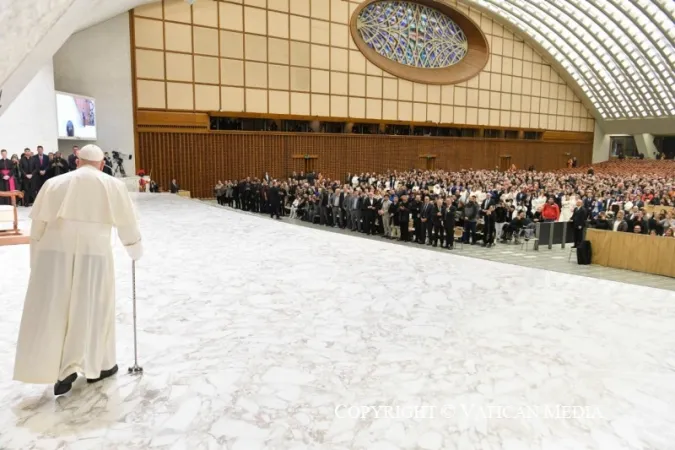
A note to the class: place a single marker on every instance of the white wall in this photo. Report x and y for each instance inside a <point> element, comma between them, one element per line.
<point>96,62</point>
<point>30,120</point>
<point>600,145</point>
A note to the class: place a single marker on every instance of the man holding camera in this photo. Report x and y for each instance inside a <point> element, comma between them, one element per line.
<point>107,164</point>
<point>72,159</point>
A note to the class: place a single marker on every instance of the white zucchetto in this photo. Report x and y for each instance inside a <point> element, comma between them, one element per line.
<point>91,153</point>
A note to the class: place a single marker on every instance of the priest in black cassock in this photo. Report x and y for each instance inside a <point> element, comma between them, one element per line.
<point>7,181</point>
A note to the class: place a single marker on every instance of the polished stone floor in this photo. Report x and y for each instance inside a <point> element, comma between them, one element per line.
<point>256,334</point>
<point>556,259</point>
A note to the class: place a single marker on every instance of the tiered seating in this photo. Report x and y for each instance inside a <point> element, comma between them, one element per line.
<point>650,167</point>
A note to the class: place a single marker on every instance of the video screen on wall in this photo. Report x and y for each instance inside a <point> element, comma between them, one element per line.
<point>76,116</point>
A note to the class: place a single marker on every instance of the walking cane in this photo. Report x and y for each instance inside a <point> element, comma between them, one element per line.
<point>135,369</point>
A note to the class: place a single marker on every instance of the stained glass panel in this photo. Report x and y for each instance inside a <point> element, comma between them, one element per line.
<point>412,34</point>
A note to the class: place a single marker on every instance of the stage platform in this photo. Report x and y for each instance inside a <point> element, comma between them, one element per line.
<point>256,334</point>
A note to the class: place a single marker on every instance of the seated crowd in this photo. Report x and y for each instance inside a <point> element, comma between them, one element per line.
<point>30,171</point>
<point>434,207</point>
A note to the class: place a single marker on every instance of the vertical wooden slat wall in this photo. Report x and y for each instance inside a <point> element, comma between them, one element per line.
<point>198,160</point>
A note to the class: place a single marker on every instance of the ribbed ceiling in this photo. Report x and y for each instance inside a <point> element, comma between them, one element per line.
<point>621,53</point>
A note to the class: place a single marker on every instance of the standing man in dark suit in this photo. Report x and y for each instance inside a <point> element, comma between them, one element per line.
<point>42,164</point>
<point>437,214</point>
<point>485,205</point>
<point>369,209</point>
<point>489,227</point>
<point>470,219</point>
<point>426,215</point>
<point>323,206</point>
<point>28,169</point>
<point>579,217</point>
<point>274,199</point>
<point>404,218</point>
<point>335,200</point>
<point>414,206</point>
<point>449,222</point>
<point>72,159</point>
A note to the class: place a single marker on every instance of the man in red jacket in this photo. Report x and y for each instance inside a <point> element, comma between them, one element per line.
<point>551,211</point>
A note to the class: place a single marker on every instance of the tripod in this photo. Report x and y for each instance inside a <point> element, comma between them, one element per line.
<point>119,167</point>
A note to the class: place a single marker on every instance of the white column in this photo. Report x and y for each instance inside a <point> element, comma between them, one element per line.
<point>96,62</point>
<point>645,145</point>
<point>600,145</point>
<point>30,120</point>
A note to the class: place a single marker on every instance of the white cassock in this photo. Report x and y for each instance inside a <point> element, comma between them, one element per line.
<point>68,322</point>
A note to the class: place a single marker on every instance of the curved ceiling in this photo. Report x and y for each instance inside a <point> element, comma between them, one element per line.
<point>621,53</point>
<point>24,23</point>
<point>33,30</point>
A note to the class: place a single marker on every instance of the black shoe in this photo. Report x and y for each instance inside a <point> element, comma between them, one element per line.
<point>104,374</point>
<point>65,385</point>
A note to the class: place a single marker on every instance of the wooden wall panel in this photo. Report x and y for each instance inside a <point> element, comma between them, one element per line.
<point>197,160</point>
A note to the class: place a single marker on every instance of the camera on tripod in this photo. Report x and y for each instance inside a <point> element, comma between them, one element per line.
<point>118,158</point>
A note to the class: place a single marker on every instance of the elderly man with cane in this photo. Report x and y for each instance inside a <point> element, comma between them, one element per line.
<point>68,322</point>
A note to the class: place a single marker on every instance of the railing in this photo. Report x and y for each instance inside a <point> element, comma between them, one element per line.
<point>637,252</point>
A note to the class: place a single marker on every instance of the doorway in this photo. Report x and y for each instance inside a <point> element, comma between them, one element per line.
<point>504,163</point>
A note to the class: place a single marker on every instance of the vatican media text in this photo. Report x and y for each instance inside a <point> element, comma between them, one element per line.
<point>552,412</point>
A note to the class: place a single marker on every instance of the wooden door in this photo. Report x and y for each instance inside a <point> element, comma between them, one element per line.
<point>504,162</point>
<point>310,165</point>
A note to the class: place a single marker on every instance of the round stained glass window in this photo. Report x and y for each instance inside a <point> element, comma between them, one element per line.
<point>425,41</point>
<point>412,34</point>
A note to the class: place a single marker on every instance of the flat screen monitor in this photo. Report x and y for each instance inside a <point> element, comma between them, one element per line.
<point>76,117</point>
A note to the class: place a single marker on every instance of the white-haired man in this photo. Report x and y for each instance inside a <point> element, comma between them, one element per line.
<point>68,323</point>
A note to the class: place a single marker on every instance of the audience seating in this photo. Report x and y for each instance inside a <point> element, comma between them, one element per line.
<point>660,168</point>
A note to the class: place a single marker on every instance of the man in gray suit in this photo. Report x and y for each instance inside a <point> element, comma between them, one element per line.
<point>334,203</point>
<point>355,210</point>
<point>347,208</point>
<point>384,215</point>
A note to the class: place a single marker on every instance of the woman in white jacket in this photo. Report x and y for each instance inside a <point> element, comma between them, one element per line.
<point>538,202</point>
<point>567,209</point>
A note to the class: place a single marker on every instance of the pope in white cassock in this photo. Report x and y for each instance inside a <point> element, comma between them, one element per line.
<point>68,323</point>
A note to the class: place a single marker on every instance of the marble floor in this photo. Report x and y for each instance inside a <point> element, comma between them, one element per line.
<point>256,334</point>
<point>555,259</point>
